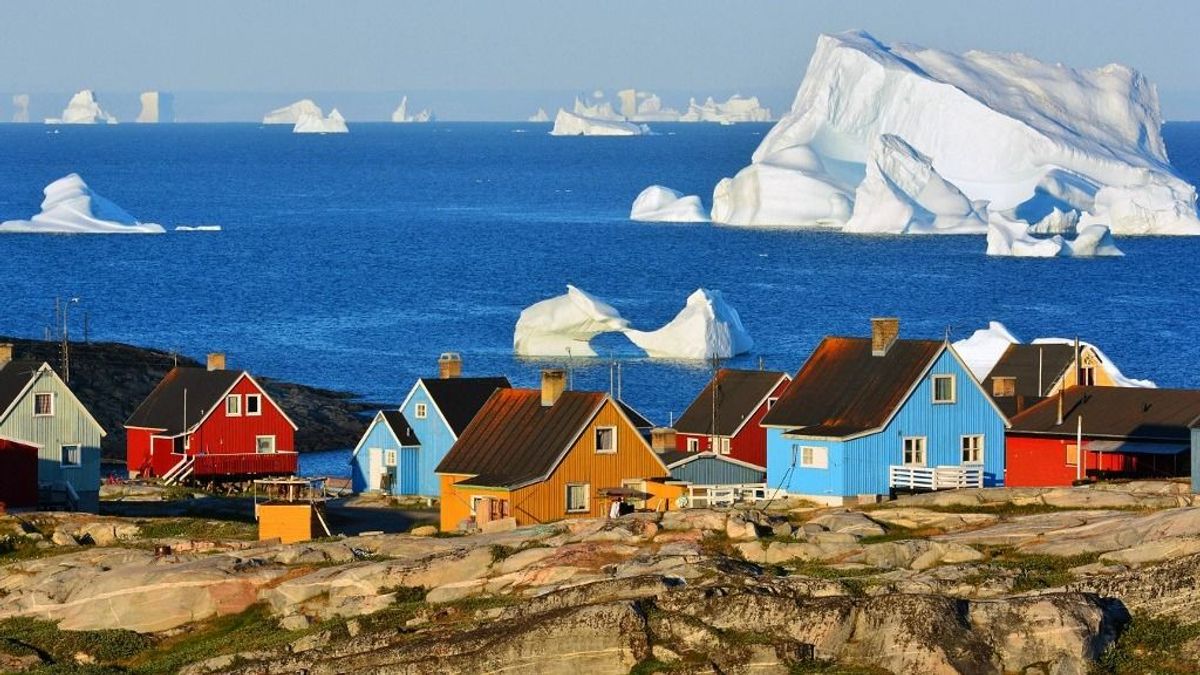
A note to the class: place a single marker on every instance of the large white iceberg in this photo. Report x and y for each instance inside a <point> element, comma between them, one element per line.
<point>400,114</point>
<point>70,207</point>
<point>1016,238</point>
<point>291,114</point>
<point>83,108</point>
<point>982,351</point>
<point>316,124</point>
<point>157,107</point>
<point>662,204</point>
<point>20,108</point>
<point>564,325</point>
<point>1000,128</point>
<point>707,327</point>
<point>571,124</point>
<point>736,109</point>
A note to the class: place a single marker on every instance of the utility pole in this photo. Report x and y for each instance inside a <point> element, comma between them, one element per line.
<point>87,320</point>
<point>66,338</point>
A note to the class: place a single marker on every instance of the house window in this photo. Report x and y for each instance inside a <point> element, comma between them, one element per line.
<point>914,451</point>
<point>422,411</point>
<point>253,404</point>
<point>693,445</point>
<point>771,401</point>
<point>1087,376</point>
<point>475,504</point>
<point>1004,387</point>
<point>972,449</point>
<point>389,458</point>
<point>723,445</point>
<point>71,455</point>
<point>233,405</point>
<point>264,444</point>
<point>606,439</point>
<point>943,389</point>
<point>577,498</point>
<point>43,404</point>
<point>811,456</point>
<point>1072,455</point>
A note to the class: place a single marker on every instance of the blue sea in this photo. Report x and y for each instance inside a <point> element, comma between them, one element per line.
<point>353,261</point>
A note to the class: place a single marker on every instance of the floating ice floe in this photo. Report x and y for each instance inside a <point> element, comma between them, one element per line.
<point>400,114</point>
<point>315,124</point>
<point>539,116</point>
<point>83,109</point>
<point>198,228</point>
<point>291,114</point>
<point>572,124</point>
<point>1022,136</point>
<point>662,204</point>
<point>70,207</point>
<point>20,108</point>
<point>982,351</point>
<point>564,325</point>
<point>156,107</point>
<point>707,327</point>
<point>736,109</point>
<point>1020,239</point>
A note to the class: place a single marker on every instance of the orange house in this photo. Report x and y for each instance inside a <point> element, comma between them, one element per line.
<point>538,456</point>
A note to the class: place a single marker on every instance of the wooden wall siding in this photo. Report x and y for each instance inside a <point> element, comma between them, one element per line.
<point>455,504</point>
<point>1196,459</point>
<point>1038,461</point>
<point>379,436</point>
<point>289,522</point>
<point>750,444</point>
<point>408,480</point>
<point>18,474</point>
<point>436,438</point>
<point>69,425</point>
<point>221,434</point>
<point>546,501</point>
<point>712,471</point>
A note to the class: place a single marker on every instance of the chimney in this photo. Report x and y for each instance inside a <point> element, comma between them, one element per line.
<point>553,383</point>
<point>6,353</point>
<point>662,439</point>
<point>216,361</point>
<point>449,365</point>
<point>884,331</point>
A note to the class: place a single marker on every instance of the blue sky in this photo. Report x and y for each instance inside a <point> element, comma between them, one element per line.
<point>520,45</point>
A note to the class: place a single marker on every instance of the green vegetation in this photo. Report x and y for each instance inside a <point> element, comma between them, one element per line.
<point>253,629</point>
<point>196,528</point>
<point>819,571</point>
<point>1150,645</point>
<point>1038,571</point>
<point>649,667</point>
<point>898,533</point>
<point>833,668</point>
<point>500,552</point>
<point>23,636</point>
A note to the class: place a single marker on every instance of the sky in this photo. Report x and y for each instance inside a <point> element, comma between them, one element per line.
<point>378,46</point>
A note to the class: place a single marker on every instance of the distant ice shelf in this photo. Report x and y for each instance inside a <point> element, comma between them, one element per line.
<point>71,207</point>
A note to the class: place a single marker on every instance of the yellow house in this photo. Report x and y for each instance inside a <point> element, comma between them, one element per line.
<point>1028,373</point>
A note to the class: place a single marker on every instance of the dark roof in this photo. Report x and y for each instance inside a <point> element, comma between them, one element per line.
<point>1115,412</point>
<point>515,440</point>
<point>1022,362</point>
<point>738,393</point>
<point>164,407</point>
<point>459,398</point>
<point>669,457</point>
<point>400,427</point>
<point>639,420</point>
<point>14,377</point>
<point>843,390</point>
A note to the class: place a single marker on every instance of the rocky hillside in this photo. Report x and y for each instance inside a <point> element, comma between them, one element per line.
<point>112,380</point>
<point>1063,582</point>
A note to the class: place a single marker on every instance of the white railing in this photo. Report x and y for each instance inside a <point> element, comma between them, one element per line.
<point>705,496</point>
<point>935,478</point>
<point>180,471</point>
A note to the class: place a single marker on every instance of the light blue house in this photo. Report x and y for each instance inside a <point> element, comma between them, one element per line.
<point>386,459</point>
<point>869,416</point>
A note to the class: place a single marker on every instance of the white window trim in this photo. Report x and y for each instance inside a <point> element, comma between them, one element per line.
<point>814,452</point>
<point>962,444</point>
<point>47,394</point>
<point>389,457</point>
<point>64,446</point>
<point>258,399</point>
<point>953,388</point>
<point>421,411</point>
<point>771,401</point>
<point>724,445</point>
<point>693,445</point>
<point>596,440</point>
<point>924,450</point>
<point>274,449</point>
<point>475,499</point>
<point>229,399</point>
<point>587,497</point>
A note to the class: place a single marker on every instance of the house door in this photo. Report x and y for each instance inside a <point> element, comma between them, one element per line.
<point>374,468</point>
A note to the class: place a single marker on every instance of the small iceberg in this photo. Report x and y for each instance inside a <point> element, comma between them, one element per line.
<point>571,124</point>
<point>83,109</point>
<point>564,325</point>
<point>539,116</point>
<point>664,205</point>
<point>291,114</point>
<point>198,228</point>
<point>400,114</point>
<point>707,327</point>
<point>1008,237</point>
<point>20,108</point>
<point>315,124</point>
<point>157,107</point>
<point>70,207</point>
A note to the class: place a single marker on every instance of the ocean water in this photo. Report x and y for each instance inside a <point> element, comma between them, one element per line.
<point>353,261</point>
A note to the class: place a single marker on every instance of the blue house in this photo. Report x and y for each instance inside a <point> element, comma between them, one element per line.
<point>868,416</point>
<point>435,413</point>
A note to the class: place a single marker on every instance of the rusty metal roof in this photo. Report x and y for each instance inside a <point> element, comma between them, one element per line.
<point>738,394</point>
<point>515,440</point>
<point>843,389</point>
<point>1116,413</point>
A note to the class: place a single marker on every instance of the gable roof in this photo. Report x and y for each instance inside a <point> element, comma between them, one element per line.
<point>401,430</point>
<point>636,418</point>
<point>1023,361</point>
<point>458,399</point>
<point>165,409</point>
<point>1115,412</point>
<point>738,393</point>
<point>675,461</point>
<point>15,377</point>
<point>844,390</point>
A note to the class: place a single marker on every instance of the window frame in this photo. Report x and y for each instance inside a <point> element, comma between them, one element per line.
<point>1072,449</point>
<point>257,404</point>
<point>693,445</point>
<point>587,498</point>
<point>257,448</point>
<point>421,410</point>
<point>233,398</point>
<point>771,401</point>
<point>977,450</point>
<point>47,396</point>
<point>596,439</point>
<point>1010,386</point>
<point>390,457</point>
<point>79,455</point>
<point>904,450</point>
<point>953,388</point>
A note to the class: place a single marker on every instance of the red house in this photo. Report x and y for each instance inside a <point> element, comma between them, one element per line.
<point>209,424</point>
<point>18,473</point>
<point>725,417</point>
<point>1126,432</point>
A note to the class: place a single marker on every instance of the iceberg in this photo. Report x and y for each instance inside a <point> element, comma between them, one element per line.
<point>600,110</point>
<point>315,124</point>
<point>644,106</point>
<point>736,109</point>
<point>707,327</point>
<point>564,325</point>
<point>539,116</point>
<point>83,109</point>
<point>572,124</point>
<point>156,107</point>
<point>70,207</point>
<point>400,114</point>
<point>198,228</point>
<point>1017,238</point>
<point>1022,135</point>
<point>20,108</point>
<point>291,114</point>
<point>662,204</point>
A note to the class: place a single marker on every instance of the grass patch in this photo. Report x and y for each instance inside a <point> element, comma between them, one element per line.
<point>649,667</point>
<point>1149,645</point>
<point>21,636</point>
<point>1038,571</point>
<point>896,533</point>
<point>501,552</point>
<point>833,668</point>
<point>1008,508</point>
<point>253,629</point>
<point>196,528</point>
<point>819,571</point>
